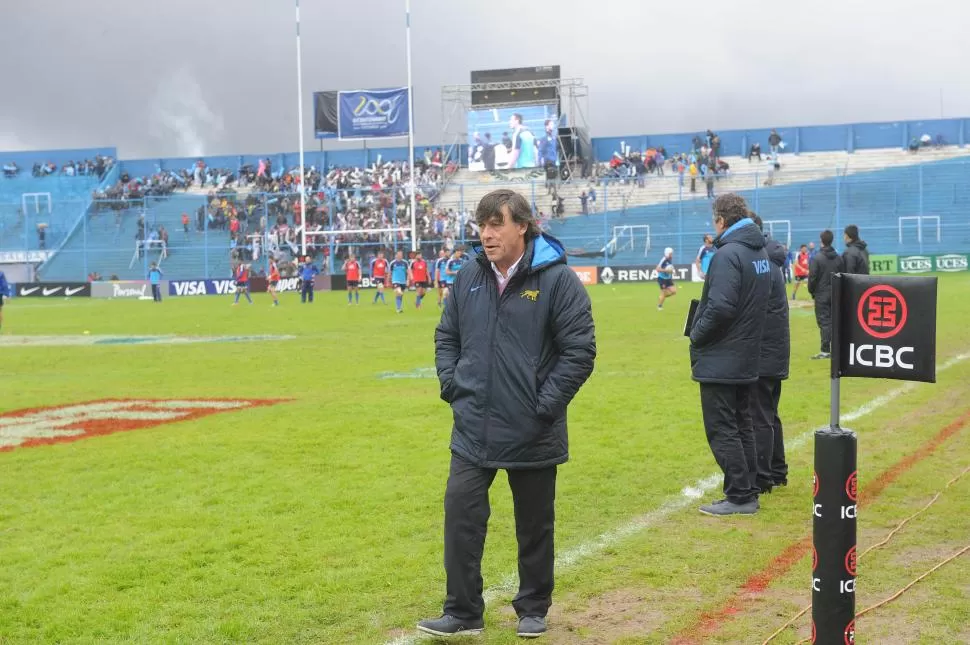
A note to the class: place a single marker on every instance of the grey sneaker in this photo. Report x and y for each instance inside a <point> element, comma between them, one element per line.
<point>725,507</point>
<point>531,627</point>
<point>821,356</point>
<point>450,626</point>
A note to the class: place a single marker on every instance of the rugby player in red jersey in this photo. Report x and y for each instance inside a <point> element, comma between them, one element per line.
<point>352,269</point>
<point>378,273</point>
<point>273,281</point>
<point>419,278</point>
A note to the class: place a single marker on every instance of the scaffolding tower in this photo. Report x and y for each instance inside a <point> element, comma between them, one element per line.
<point>572,96</point>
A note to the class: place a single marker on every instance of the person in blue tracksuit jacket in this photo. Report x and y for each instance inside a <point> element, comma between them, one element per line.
<point>4,294</point>
<point>155,278</point>
<point>307,273</point>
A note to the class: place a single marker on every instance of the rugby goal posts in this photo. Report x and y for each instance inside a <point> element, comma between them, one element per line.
<point>785,229</point>
<point>920,221</point>
<point>358,241</point>
<point>38,201</point>
<point>630,237</point>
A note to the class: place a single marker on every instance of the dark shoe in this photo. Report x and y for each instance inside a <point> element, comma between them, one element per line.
<point>730,508</point>
<point>764,487</point>
<point>781,482</point>
<point>451,626</point>
<point>531,627</point>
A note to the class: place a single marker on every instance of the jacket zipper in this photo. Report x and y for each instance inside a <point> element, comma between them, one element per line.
<point>491,347</point>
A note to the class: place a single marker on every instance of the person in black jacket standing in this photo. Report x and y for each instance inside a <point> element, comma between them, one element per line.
<point>772,370</point>
<point>826,263</point>
<point>856,255</point>
<point>724,349</point>
<point>514,345</point>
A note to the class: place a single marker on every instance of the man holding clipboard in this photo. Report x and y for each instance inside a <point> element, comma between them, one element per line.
<point>725,332</point>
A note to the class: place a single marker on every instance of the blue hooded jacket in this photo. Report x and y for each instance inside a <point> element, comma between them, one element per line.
<point>4,285</point>
<point>725,341</point>
<point>510,363</point>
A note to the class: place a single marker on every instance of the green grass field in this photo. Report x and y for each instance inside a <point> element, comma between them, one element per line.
<point>319,519</point>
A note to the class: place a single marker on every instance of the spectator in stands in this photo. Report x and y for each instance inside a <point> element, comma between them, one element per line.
<point>584,200</point>
<point>507,141</point>
<point>774,141</point>
<point>914,145</point>
<point>754,151</point>
<point>42,236</point>
<point>592,198</point>
<point>709,181</point>
<point>693,177</point>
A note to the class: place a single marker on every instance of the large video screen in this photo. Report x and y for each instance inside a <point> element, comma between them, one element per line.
<point>510,138</point>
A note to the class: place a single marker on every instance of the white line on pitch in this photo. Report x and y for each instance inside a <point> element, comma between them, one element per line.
<point>687,496</point>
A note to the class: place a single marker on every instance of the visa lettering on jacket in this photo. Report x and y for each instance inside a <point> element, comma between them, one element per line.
<point>761,266</point>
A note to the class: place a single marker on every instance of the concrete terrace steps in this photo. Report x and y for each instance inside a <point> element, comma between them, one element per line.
<point>469,187</point>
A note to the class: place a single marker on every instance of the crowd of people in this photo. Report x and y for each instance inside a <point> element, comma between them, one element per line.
<point>96,167</point>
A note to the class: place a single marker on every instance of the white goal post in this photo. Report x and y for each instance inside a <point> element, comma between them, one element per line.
<point>36,199</point>
<point>625,237</point>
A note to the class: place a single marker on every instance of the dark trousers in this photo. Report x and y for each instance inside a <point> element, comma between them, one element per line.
<point>466,520</point>
<point>156,293</point>
<point>307,291</point>
<point>823,316</point>
<point>727,421</point>
<point>768,437</point>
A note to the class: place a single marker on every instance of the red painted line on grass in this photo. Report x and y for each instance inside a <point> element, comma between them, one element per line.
<point>45,426</point>
<point>709,622</point>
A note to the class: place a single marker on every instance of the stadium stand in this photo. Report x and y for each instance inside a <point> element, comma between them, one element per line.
<point>906,193</point>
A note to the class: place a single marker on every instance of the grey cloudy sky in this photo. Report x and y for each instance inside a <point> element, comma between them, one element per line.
<point>188,77</point>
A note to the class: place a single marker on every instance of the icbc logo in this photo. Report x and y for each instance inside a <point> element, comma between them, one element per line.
<point>882,311</point>
<point>850,559</point>
<point>851,485</point>
<point>850,633</point>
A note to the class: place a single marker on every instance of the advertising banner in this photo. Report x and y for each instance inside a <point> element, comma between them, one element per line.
<point>53,290</point>
<point>141,289</point>
<point>613,275</point>
<point>201,287</point>
<point>884,327</point>
<point>372,114</point>
<point>915,264</point>
<point>586,275</point>
<point>325,112</point>
<point>29,257</point>
<point>950,263</point>
<point>883,264</point>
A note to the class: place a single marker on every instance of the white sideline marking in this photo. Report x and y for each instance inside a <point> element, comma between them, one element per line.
<point>687,496</point>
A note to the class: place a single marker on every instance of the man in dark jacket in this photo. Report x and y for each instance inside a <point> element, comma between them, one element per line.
<point>826,263</point>
<point>856,255</point>
<point>724,352</point>
<point>772,370</point>
<point>514,345</point>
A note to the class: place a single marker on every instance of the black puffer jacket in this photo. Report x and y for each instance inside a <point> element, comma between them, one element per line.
<point>726,337</point>
<point>510,364</point>
<point>826,263</point>
<point>856,258</point>
<point>776,338</point>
